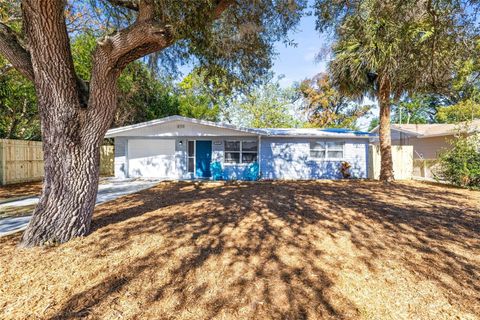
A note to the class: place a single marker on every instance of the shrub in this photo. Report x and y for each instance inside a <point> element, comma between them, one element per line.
<point>461,164</point>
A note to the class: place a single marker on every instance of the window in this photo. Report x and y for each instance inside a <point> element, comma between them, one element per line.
<point>326,150</point>
<point>191,156</point>
<point>241,151</point>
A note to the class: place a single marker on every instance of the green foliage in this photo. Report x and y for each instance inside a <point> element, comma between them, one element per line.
<point>373,123</point>
<point>461,164</point>
<point>420,108</point>
<point>82,48</point>
<point>201,96</point>
<point>143,97</point>
<point>463,111</point>
<point>239,43</point>
<point>326,107</point>
<point>18,108</point>
<point>266,106</point>
<point>417,46</point>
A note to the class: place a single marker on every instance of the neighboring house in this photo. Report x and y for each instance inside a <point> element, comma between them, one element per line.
<point>183,148</point>
<point>428,140</point>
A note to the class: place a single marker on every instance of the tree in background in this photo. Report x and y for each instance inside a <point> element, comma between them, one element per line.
<point>460,164</point>
<point>18,106</point>
<point>420,108</point>
<point>75,114</point>
<point>142,96</point>
<point>466,110</point>
<point>326,107</point>
<point>266,106</point>
<point>386,49</point>
<point>204,96</point>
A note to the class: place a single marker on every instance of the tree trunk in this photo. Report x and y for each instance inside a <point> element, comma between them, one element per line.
<point>72,133</point>
<point>386,168</point>
<point>75,118</point>
<point>69,192</point>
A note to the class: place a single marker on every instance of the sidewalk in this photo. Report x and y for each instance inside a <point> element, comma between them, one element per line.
<point>108,191</point>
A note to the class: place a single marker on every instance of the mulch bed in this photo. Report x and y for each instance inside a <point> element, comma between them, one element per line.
<point>268,250</point>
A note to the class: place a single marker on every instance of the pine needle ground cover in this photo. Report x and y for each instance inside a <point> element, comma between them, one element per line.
<point>267,250</point>
<point>20,190</point>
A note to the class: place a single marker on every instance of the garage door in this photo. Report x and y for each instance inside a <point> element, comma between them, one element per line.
<point>151,158</point>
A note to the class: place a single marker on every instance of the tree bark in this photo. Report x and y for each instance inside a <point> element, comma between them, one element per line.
<point>386,167</point>
<point>71,147</point>
<point>75,118</point>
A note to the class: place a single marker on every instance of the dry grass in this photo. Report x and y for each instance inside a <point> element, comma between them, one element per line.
<point>283,250</point>
<point>20,190</point>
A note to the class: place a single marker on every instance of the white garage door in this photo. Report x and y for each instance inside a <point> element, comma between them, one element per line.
<point>149,158</point>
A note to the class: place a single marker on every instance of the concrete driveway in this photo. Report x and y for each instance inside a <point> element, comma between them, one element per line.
<point>108,189</point>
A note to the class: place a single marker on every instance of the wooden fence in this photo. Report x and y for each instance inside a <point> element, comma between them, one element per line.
<point>425,168</point>
<point>22,161</point>
<point>402,157</point>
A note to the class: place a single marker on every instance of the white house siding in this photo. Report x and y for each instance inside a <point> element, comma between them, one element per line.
<point>182,129</point>
<point>151,158</point>
<point>289,159</point>
<point>120,158</point>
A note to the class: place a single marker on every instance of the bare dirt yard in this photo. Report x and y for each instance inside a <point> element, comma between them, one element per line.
<point>267,250</point>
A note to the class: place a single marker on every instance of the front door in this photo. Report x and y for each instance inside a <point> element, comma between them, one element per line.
<point>203,158</point>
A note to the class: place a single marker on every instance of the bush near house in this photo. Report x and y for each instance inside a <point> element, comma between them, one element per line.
<point>461,164</point>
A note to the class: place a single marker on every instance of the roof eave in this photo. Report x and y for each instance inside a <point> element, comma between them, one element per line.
<point>117,132</point>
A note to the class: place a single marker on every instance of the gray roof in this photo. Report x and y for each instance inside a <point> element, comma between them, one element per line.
<point>436,129</point>
<point>273,132</point>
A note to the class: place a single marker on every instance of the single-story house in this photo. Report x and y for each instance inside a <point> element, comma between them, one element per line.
<point>429,140</point>
<point>182,148</point>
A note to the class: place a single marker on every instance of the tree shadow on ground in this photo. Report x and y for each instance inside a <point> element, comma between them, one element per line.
<point>271,250</point>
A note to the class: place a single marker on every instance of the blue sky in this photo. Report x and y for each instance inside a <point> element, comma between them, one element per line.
<point>298,63</point>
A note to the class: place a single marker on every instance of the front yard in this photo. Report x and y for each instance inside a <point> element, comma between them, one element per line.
<point>281,250</point>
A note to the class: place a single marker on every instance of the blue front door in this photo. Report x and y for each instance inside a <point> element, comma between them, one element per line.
<point>203,159</point>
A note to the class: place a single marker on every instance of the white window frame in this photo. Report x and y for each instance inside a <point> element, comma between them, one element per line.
<point>326,158</point>
<point>240,152</point>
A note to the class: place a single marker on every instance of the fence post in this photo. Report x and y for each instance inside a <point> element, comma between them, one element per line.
<point>2,162</point>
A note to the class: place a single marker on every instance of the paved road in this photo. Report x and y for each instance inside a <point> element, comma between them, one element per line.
<point>109,190</point>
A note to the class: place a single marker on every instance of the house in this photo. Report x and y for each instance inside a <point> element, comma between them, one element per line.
<point>182,148</point>
<point>428,140</point>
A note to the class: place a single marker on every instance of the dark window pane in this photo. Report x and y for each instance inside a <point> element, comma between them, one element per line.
<point>232,157</point>
<point>249,157</point>
<point>249,146</point>
<point>191,164</point>
<point>318,145</point>
<point>338,146</point>
<point>335,154</point>
<point>191,148</point>
<point>232,145</point>
<point>317,154</point>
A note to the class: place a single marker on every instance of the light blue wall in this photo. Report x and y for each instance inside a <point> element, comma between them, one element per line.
<point>289,158</point>
<point>230,171</point>
<point>280,158</point>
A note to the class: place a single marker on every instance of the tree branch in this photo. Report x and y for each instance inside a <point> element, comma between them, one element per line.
<point>221,7</point>
<point>129,4</point>
<point>13,51</point>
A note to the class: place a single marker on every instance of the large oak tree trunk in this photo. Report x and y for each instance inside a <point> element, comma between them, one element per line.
<point>386,167</point>
<point>72,130</point>
<point>75,118</point>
